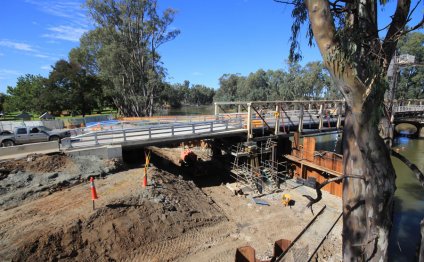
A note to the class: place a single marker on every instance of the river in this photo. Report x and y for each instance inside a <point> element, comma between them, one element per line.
<point>409,196</point>
<point>187,110</point>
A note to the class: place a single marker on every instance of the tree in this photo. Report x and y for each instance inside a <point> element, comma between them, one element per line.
<point>201,95</point>
<point>70,87</point>
<point>347,36</point>
<point>26,95</point>
<point>3,98</point>
<point>228,84</point>
<point>124,49</point>
<point>411,81</point>
<point>309,82</point>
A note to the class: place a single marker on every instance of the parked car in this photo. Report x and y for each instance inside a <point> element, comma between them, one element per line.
<point>35,134</point>
<point>5,132</point>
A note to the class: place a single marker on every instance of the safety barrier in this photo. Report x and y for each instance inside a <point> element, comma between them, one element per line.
<point>151,132</point>
<point>21,150</point>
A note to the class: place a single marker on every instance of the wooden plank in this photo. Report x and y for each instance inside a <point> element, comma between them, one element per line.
<point>309,148</point>
<point>313,165</point>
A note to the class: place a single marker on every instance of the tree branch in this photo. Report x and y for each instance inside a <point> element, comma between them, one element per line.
<point>420,24</point>
<point>411,165</point>
<point>319,186</point>
<point>284,2</point>
<point>399,21</point>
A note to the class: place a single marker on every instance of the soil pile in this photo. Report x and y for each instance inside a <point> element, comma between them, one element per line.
<point>139,225</point>
<point>41,175</point>
<point>38,164</point>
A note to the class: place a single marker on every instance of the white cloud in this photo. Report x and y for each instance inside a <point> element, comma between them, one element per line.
<point>46,67</point>
<point>41,56</point>
<point>64,32</point>
<point>16,45</point>
<point>197,73</point>
<point>7,73</point>
<point>1,54</point>
<point>71,10</point>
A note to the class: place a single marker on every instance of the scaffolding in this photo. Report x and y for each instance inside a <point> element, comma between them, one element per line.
<point>256,168</point>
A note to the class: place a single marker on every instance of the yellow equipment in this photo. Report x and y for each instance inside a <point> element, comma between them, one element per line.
<point>286,199</point>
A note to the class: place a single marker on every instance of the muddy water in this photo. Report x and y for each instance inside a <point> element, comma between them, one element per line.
<point>409,201</point>
<point>409,196</point>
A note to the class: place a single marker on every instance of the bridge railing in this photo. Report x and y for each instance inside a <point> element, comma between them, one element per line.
<point>116,136</point>
<point>408,108</point>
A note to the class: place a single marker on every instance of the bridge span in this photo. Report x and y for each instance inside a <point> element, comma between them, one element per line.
<point>249,119</point>
<point>241,120</point>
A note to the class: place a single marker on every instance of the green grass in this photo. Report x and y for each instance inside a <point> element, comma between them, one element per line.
<point>35,116</point>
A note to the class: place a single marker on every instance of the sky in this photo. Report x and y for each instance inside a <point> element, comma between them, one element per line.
<point>217,37</point>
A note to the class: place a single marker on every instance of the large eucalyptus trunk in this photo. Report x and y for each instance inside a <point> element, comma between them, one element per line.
<point>367,202</point>
<point>357,66</point>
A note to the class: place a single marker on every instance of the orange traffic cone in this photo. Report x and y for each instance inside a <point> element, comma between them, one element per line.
<point>146,166</point>
<point>93,190</point>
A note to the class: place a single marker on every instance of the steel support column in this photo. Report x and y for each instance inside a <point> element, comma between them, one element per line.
<point>300,128</point>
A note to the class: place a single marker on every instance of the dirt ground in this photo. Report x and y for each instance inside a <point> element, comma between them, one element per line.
<point>40,175</point>
<point>174,219</point>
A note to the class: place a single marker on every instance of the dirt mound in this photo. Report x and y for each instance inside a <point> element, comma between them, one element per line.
<point>38,164</point>
<point>41,175</point>
<point>129,227</point>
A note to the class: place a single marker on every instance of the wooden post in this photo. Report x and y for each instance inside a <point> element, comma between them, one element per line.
<point>249,121</point>
<point>277,120</point>
<point>321,109</point>
<point>239,109</point>
<point>216,110</point>
<point>300,128</point>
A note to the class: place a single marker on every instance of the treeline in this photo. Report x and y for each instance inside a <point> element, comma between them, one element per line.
<point>311,81</point>
<point>69,88</point>
<point>117,65</point>
<point>177,95</point>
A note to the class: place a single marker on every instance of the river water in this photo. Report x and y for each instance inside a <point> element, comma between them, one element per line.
<point>187,110</point>
<point>409,196</point>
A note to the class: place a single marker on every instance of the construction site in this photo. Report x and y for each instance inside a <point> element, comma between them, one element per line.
<point>203,200</point>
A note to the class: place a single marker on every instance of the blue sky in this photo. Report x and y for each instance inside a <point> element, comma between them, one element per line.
<point>217,37</point>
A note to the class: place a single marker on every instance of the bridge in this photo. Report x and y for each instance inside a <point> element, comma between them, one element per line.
<point>230,119</point>
<point>245,120</point>
<point>250,119</point>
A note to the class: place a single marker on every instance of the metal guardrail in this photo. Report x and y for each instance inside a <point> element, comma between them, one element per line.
<point>408,108</point>
<point>225,121</point>
<point>115,136</point>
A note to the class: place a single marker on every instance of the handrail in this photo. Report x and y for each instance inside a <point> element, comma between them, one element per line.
<point>155,131</point>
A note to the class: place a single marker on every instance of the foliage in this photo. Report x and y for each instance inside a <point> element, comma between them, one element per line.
<point>309,82</point>
<point>123,49</point>
<point>3,98</point>
<point>70,87</point>
<point>411,81</point>
<point>26,95</point>
<point>177,95</point>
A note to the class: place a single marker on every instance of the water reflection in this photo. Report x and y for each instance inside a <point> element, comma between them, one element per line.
<point>409,201</point>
